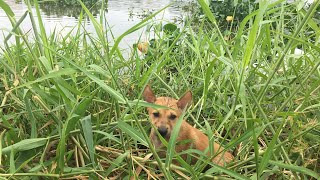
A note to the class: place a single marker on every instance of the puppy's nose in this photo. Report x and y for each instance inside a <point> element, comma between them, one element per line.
<point>163,131</point>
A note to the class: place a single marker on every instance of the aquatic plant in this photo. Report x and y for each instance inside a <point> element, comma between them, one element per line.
<point>71,106</point>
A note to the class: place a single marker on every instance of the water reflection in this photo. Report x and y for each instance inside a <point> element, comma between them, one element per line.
<point>61,17</point>
<point>70,8</point>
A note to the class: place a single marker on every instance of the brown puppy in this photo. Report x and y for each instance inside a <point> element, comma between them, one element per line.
<point>165,119</point>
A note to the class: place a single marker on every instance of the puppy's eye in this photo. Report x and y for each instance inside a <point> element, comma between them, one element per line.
<point>156,114</point>
<point>172,117</point>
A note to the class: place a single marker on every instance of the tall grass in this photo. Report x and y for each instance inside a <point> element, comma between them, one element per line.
<point>70,105</point>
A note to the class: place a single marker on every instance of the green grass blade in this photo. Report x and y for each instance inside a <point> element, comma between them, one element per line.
<point>295,168</point>
<point>109,136</point>
<point>267,155</point>
<point>233,174</point>
<point>24,145</point>
<point>78,112</point>
<point>253,35</point>
<point>134,28</point>
<point>116,163</point>
<point>88,135</point>
<point>51,75</point>
<point>32,119</point>
<point>12,163</point>
<point>6,8</point>
<point>172,140</point>
<point>136,135</point>
<point>309,14</point>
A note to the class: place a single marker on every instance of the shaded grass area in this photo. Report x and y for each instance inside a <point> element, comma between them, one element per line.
<point>70,105</point>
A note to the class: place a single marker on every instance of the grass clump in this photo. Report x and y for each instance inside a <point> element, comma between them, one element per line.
<point>70,105</point>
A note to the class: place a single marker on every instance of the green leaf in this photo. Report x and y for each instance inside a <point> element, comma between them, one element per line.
<point>267,155</point>
<point>169,28</point>
<point>300,169</point>
<point>70,123</point>
<point>88,135</point>
<point>133,133</point>
<point>100,70</point>
<point>116,163</point>
<point>253,34</point>
<point>205,7</point>
<point>82,107</point>
<point>145,104</point>
<point>45,63</point>
<point>25,144</point>
<point>32,119</point>
<point>231,173</point>
<point>54,74</point>
<point>208,79</point>
<point>6,8</point>
<point>78,112</point>
<point>109,136</point>
<point>115,94</point>
<point>12,164</point>
<point>172,140</point>
<point>246,136</point>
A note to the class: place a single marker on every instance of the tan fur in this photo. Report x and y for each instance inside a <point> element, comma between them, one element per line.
<point>196,138</point>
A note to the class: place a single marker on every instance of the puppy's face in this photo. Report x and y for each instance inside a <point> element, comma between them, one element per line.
<point>163,119</point>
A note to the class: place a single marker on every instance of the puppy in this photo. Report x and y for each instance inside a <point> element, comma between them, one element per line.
<point>164,121</point>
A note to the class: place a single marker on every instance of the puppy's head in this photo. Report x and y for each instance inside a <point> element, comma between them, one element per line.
<point>165,119</point>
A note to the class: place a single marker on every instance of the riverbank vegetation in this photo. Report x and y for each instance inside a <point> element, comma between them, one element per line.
<point>71,106</point>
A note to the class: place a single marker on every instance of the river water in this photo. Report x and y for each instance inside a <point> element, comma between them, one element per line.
<point>120,15</point>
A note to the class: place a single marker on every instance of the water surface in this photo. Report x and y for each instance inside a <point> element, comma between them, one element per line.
<point>120,15</point>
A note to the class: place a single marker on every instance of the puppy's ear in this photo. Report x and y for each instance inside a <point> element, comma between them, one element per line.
<point>185,100</point>
<point>148,95</point>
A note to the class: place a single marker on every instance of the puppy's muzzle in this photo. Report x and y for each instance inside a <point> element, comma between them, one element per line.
<point>163,131</point>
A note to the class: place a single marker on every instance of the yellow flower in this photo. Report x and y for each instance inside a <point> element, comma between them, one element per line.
<point>16,82</point>
<point>229,18</point>
<point>143,47</point>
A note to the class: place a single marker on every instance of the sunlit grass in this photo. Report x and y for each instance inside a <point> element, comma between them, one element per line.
<point>69,105</point>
